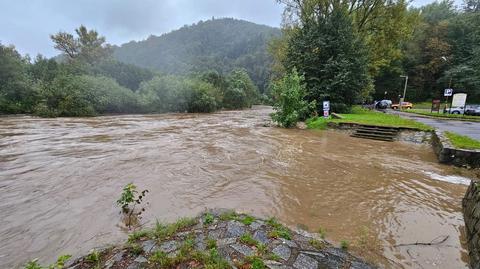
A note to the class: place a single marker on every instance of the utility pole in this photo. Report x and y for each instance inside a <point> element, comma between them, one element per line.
<point>404,91</point>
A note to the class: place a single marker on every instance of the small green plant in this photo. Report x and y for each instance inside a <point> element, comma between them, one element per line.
<point>274,257</point>
<point>322,232</point>
<point>135,248</point>
<point>247,220</point>
<point>262,248</point>
<point>208,219</point>
<point>163,231</point>
<point>344,244</point>
<point>211,243</point>
<point>129,199</point>
<point>230,215</point>
<point>279,231</point>
<point>136,235</point>
<point>33,265</point>
<point>59,264</point>
<point>257,263</point>
<point>93,256</point>
<point>247,239</point>
<point>161,258</point>
<point>317,244</point>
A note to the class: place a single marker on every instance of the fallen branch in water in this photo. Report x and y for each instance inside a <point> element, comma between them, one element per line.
<point>431,243</point>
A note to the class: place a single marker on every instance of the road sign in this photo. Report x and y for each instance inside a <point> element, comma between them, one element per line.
<point>448,92</point>
<point>326,113</point>
<point>459,100</point>
<point>326,105</point>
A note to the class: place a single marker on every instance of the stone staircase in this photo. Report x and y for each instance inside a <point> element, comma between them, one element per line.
<point>376,132</point>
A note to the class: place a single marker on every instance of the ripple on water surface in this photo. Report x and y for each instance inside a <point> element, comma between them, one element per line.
<point>60,178</point>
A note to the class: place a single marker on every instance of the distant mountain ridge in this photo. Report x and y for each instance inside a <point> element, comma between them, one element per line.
<point>217,44</point>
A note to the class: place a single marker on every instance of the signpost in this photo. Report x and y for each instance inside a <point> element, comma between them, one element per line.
<point>447,93</point>
<point>326,109</point>
<point>435,106</point>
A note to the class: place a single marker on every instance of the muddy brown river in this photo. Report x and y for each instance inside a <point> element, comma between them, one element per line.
<point>60,178</point>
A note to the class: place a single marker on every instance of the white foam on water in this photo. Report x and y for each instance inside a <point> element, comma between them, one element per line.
<point>449,178</point>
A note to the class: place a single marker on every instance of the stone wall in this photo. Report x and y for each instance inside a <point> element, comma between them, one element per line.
<point>448,154</point>
<point>471,212</point>
<point>413,136</point>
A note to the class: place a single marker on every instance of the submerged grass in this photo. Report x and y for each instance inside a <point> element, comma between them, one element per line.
<point>363,116</point>
<point>463,142</point>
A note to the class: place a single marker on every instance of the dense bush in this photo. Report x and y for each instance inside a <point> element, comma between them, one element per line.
<point>18,91</point>
<point>70,95</point>
<point>290,104</point>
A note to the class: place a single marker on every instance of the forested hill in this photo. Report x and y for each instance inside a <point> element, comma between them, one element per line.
<point>217,44</point>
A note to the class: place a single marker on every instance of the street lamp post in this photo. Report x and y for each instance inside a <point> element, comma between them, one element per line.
<point>404,91</point>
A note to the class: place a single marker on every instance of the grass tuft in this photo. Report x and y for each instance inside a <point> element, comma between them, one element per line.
<point>247,239</point>
<point>462,142</point>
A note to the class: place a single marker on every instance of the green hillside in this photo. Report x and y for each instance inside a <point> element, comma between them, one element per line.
<point>217,44</point>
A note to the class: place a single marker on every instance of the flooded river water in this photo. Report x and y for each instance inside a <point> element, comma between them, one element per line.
<point>60,178</point>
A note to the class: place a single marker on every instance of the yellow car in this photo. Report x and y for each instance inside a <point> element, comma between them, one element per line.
<point>405,105</point>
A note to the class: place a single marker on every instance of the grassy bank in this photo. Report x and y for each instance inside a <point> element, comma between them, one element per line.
<point>362,116</point>
<point>462,142</point>
<point>441,115</point>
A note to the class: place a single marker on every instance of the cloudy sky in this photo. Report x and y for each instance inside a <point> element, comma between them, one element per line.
<point>27,24</point>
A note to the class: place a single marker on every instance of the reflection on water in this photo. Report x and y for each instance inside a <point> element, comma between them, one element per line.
<point>60,178</point>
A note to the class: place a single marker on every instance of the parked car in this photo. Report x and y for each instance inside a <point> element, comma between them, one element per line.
<point>472,110</point>
<point>384,104</point>
<point>405,105</point>
<point>455,110</point>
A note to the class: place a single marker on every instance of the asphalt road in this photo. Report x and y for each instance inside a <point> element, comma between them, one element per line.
<point>467,128</point>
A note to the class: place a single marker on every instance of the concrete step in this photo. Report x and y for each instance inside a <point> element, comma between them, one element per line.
<point>377,131</point>
<point>382,138</point>
<point>375,135</point>
<point>374,127</point>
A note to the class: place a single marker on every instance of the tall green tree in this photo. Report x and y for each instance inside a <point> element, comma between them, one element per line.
<point>18,92</point>
<point>88,46</point>
<point>333,59</point>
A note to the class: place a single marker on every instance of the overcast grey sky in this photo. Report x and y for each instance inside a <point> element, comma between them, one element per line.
<point>27,24</point>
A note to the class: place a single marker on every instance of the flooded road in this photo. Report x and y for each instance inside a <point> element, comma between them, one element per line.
<point>60,178</point>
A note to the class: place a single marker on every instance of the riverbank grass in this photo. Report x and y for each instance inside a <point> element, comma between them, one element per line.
<point>368,117</point>
<point>462,142</point>
<point>428,113</point>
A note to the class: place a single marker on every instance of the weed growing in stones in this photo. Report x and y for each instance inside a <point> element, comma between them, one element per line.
<point>247,239</point>
<point>317,244</point>
<point>138,235</point>
<point>208,219</point>
<point>230,215</point>
<point>135,248</point>
<point>273,257</point>
<point>247,220</point>
<point>59,264</point>
<point>262,249</point>
<point>94,258</point>
<point>163,231</point>
<point>278,230</point>
<point>211,243</point>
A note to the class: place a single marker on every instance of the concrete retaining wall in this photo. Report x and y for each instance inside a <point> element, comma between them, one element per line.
<point>448,154</point>
<point>471,213</point>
